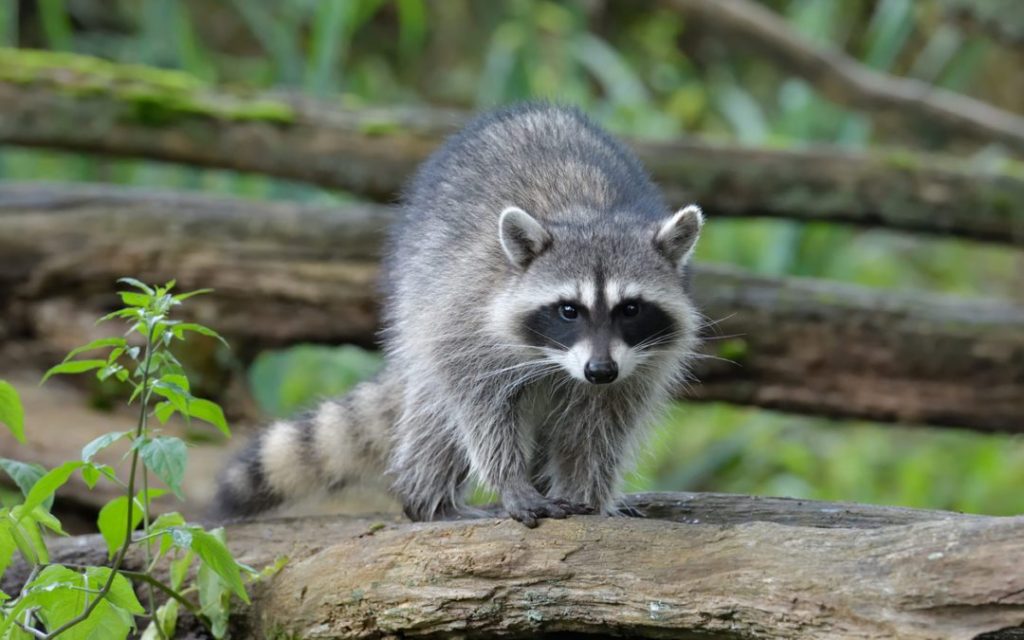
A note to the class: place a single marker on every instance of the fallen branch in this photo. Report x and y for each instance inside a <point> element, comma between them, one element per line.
<point>907,574</point>
<point>846,81</point>
<point>286,273</point>
<point>148,113</point>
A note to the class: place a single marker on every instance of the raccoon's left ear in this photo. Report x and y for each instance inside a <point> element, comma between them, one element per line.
<point>677,236</point>
<point>522,237</point>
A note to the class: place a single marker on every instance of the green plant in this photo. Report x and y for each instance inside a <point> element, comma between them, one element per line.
<point>73,601</point>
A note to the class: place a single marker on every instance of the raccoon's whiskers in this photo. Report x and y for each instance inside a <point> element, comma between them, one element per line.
<point>708,356</point>
<point>707,323</point>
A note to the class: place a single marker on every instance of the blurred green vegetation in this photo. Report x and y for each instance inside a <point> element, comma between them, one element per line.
<point>639,69</point>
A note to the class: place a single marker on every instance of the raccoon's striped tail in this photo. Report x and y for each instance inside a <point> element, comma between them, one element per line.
<point>340,442</point>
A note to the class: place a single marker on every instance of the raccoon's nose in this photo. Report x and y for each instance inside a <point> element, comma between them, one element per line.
<point>601,371</point>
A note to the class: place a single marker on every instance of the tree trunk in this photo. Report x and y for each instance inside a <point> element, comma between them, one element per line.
<point>164,115</point>
<point>701,565</point>
<point>286,273</point>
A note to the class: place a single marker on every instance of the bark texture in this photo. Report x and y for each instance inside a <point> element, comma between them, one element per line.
<point>164,115</point>
<point>285,273</point>
<point>701,565</point>
<point>917,104</point>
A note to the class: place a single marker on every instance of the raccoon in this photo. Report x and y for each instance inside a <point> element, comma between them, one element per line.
<point>536,319</point>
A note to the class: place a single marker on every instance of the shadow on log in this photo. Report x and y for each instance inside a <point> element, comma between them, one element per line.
<point>701,565</point>
<point>286,273</point>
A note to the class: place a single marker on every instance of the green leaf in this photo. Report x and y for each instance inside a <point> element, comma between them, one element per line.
<point>22,540</point>
<point>185,296</point>
<point>163,411</point>
<point>179,568</point>
<point>176,379</point>
<point>167,520</point>
<point>29,527</point>
<point>214,600</point>
<point>111,522</point>
<point>132,282</point>
<point>75,366</point>
<point>133,299</point>
<point>12,413</point>
<point>121,592</point>
<point>47,519</point>
<point>120,313</point>
<point>7,544</point>
<point>179,397</point>
<point>211,412</point>
<point>162,523</point>
<point>91,473</point>
<point>166,457</point>
<point>101,443</point>
<point>210,548</point>
<point>25,475</point>
<point>99,343</point>
<point>43,490</point>
<point>90,476</point>
<point>180,329</point>
<point>113,519</point>
<point>60,595</point>
<point>167,618</point>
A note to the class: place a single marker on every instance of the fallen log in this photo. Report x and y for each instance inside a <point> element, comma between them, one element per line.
<point>163,115</point>
<point>287,273</point>
<point>788,569</point>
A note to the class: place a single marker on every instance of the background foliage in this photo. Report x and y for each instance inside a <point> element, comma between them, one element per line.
<point>639,69</point>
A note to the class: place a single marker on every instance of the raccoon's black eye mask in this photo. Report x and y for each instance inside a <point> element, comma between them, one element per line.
<point>564,323</point>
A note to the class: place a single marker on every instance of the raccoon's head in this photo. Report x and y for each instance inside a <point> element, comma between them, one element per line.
<point>599,296</point>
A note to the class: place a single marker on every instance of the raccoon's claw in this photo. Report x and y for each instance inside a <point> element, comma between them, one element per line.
<point>626,511</point>
<point>529,511</point>
<point>574,508</point>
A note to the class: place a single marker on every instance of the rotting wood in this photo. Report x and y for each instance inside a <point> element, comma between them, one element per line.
<point>786,569</point>
<point>162,115</point>
<point>286,273</point>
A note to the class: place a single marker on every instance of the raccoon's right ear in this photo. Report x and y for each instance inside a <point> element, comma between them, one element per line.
<point>677,236</point>
<point>522,237</point>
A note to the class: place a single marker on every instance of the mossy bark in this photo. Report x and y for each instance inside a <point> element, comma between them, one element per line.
<point>286,273</point>
<point>81,104</point>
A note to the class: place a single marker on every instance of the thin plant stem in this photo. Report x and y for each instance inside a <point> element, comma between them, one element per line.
<point>148,546</point>
<point>166,589</point>
<point>123,551</point>
<point>146,577</point>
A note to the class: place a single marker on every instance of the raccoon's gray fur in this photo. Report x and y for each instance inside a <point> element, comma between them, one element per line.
<point>536,319</point>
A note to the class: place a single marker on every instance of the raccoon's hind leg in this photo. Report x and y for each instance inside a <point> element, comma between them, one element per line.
<point>340,442</point>
<point>430,472</point>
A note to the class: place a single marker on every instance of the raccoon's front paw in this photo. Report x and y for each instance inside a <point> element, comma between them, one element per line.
<point>528,509</point>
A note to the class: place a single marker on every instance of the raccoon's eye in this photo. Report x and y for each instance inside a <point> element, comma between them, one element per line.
<point>568,312</point>
<point>631,309</point>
